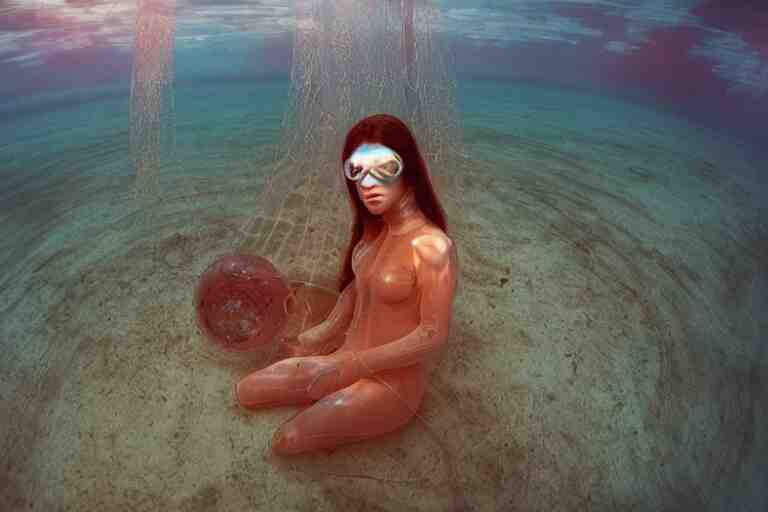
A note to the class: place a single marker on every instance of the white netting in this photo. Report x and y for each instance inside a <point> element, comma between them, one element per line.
<point>351,59</point>
<point>152,130</point>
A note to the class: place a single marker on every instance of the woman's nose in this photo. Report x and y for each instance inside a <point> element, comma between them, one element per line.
<point>368,181</point>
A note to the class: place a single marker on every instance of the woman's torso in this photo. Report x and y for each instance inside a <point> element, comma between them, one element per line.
<point>387,303</point>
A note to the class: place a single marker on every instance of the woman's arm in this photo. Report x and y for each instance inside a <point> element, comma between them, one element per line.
<point>338,319</point>
<point>437,270</point>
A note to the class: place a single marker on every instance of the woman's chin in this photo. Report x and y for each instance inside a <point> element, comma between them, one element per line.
<point>375,209</point>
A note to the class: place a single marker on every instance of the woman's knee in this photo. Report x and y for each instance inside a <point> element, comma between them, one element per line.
<point>249,394</point>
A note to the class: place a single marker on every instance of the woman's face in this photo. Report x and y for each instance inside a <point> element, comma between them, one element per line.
<point>378,196</point>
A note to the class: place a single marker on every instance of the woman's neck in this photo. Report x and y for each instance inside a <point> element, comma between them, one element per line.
<point>404,215</point>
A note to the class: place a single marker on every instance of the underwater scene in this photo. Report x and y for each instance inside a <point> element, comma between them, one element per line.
<point>408,255</point>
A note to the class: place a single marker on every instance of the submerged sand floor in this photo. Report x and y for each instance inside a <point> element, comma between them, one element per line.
<point>606,351</point>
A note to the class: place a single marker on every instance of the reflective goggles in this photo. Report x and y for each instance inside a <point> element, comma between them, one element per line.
<point>380,161</point>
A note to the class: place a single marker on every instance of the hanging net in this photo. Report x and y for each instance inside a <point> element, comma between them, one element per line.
<point>151,115</point>
<point>351,59</point>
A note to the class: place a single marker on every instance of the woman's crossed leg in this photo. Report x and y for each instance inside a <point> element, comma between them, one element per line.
<point>366,408</point>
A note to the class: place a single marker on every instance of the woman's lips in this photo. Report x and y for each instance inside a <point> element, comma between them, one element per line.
<point>373,197</point>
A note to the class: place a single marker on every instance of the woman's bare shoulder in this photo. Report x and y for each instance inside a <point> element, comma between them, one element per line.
<point>430,233</point>
<point>431,243</point>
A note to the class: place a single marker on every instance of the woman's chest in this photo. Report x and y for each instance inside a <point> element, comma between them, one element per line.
<point>385,270</point>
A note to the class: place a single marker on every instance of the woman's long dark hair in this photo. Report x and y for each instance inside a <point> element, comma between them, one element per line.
<point>393,133</point>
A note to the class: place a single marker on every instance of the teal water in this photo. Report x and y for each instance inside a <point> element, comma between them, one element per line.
<point>226,129</point>
<point>232,120</point>
<point>610,322</point>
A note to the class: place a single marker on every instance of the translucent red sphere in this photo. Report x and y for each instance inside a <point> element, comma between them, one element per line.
<point>241,302</point>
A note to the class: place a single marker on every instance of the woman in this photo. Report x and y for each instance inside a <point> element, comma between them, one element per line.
<point>397,287</point>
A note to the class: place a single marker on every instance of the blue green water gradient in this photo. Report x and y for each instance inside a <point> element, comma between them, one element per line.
<point>608,342</point>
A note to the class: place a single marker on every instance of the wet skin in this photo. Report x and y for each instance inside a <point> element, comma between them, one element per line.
<point>394,316</point>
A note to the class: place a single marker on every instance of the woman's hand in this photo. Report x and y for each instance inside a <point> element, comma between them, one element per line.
<point>293,347</point>
<point>326,381</point>
<point>336,372</point>
<point>318,376</point>
<point>303,345</point>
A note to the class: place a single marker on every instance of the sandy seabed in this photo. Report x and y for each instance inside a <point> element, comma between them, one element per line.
<point>605,354</point>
